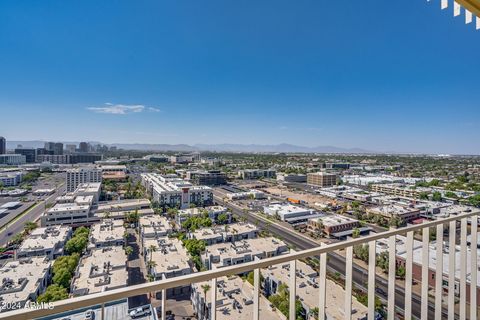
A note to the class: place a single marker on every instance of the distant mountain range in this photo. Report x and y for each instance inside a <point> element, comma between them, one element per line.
<point>288,148</point>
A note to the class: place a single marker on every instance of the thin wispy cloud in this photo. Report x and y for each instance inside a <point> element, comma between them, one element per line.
<point>110,108</point>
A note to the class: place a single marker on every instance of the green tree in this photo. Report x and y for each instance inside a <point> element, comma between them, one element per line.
<point>128,250</point>
<point>355,233</point>
<point>53,293</point>
<point>62,278</point>
<point>29,227</point>
<point>437,196</point>
<point>222,218</point>
<point>76,244</point>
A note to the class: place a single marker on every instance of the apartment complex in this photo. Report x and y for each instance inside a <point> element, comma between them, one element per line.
<point>174,192</point>
<point>99,270</point>
<point>234,301</point>
<point>322,179</point>
<point>207,178</point>
<point>45,242</point>
<point>401,190</point>
<point>252,174</point>
<point>80,175</point>
<point>23,280</point>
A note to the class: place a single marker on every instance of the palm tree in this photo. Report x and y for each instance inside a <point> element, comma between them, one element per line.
<point>151,249</point>
<point>206,287</point>
<point>150,265</point>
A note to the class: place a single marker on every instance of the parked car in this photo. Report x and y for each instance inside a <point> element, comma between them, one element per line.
<point>89,315</point>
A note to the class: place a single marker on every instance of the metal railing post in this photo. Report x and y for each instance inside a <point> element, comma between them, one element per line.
<point>372,257</point>
<point>425,265</point>
<point>452,232</point>
<point>392,257</point>
<point>474,267</point>
<point>293,289</point>
<point>322,286</point>
<point>463,269</point>
<point>439,273</point>
<point>408,276</point>
<point>348,283</point>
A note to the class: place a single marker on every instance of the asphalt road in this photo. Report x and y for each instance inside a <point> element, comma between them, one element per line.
<point>335,262</point>
<point>33,215</point>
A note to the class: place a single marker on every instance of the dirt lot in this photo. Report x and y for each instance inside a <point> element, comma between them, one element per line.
<point>311,199</point>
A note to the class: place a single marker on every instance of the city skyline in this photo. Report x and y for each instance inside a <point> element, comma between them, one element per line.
<point>310,74</point>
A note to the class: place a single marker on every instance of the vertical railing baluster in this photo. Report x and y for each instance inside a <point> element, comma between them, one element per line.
<point>348,283</point>
<point>256,293</point>
<point>322,286</point>
<point>439,273</point>
<point>474,268</point>
<point>463,269</point>
<point>452,232</point>
<point>408,276</point>
<point>213,311</point>
<point>425,268</point>
<point>102,315</point>
<point>391,276</point>
<point>371,279</point>
<point>164,299</point>
<point>293,289</point>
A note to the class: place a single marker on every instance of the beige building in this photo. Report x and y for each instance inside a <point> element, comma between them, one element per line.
<point>234,301</point>
<point>100,270</point>
<point>45,242</point>
<point>231,253</point>
<point>331,224</point>
<point>322,179</point>
<point>23,280</point>
<point>307,290</point>
<point>389,211</point>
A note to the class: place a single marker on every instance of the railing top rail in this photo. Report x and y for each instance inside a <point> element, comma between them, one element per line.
<point>122,293</point>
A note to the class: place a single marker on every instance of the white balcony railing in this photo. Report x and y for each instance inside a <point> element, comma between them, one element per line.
<point>466,309</point>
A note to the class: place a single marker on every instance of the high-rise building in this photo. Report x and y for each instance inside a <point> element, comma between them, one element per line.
<point>29,153</point>
<point>70,148</point>
<point>80,175</point>
<point>3,145</point>
<point>58,148</point>
<point>83,147</point>
<point>49,146</point>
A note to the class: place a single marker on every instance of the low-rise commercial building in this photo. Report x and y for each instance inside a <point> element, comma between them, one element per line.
<point>331,224</point>
<point>322,179</point>
<point>296,178</point>
<point>100,270</point>
<point>285,211</point>
<point>66,214</point>
<point>390,211</point>
<point>45,242</point>
<point>251,194</point>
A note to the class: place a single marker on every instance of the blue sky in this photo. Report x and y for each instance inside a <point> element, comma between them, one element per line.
<point>379,75</point>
